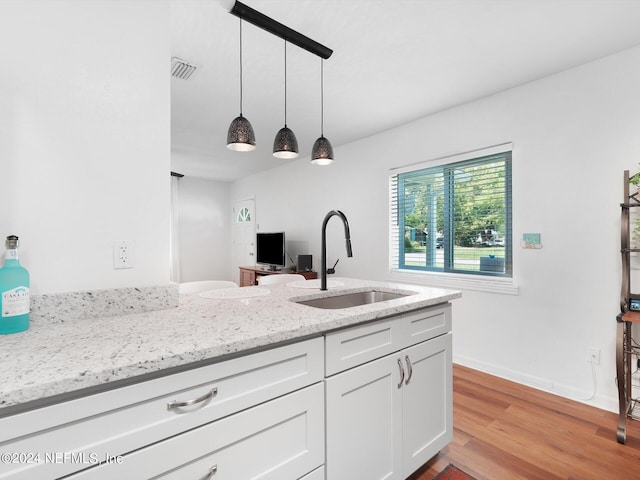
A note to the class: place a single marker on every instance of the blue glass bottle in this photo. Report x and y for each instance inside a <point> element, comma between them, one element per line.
<point>14,291</point>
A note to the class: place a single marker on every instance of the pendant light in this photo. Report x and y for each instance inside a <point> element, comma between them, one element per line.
<point>322,151</point>
<point>285,145</point>
<point>240,136</point>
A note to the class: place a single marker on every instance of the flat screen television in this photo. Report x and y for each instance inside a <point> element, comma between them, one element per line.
<point>270,249</point>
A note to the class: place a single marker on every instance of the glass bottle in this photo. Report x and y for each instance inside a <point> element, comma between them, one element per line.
<point>14,291</point>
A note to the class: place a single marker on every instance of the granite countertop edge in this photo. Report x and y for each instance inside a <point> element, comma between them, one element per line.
<point>56,359</point>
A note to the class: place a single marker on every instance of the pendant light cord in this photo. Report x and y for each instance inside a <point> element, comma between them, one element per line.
<point>321,97</point>
<point>240,66</point>
<point>285,82</point>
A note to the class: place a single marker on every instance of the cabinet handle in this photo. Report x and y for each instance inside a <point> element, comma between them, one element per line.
<point>410,367</point>
<point>401,373</point>
<point>176,404</point>
<point>212,471</point>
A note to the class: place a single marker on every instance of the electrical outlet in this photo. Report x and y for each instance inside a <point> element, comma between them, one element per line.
<point>123,254</point>
<point>593,355</point>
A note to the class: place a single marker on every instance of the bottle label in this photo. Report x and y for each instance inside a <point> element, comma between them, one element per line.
<point>15,302</point>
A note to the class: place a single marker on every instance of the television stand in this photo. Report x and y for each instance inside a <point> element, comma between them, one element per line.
<point>249,275</point>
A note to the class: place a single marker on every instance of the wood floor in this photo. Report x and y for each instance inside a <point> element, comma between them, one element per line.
<point>505,431</point>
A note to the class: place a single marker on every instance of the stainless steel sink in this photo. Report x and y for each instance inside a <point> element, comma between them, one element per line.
<point>354,299</point>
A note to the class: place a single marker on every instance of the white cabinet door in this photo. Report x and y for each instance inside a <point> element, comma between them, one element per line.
<point>317,474</point>
<point>364,422</point>
<point>388,417</point>
<point>426,401</point>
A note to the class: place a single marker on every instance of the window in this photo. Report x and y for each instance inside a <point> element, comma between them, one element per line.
<point>244,215</point>
<point>454,217</point>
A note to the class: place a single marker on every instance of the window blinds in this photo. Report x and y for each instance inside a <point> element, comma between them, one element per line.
<point>455,217</point>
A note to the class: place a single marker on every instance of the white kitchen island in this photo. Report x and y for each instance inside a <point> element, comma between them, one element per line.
<point>234,388</point>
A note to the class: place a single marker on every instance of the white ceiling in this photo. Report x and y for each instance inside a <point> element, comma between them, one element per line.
<point>393,61</point>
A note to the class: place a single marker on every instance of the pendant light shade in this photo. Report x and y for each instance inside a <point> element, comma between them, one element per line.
<point>285,145</point>
<point>322,151</point>
<point>240,136</point>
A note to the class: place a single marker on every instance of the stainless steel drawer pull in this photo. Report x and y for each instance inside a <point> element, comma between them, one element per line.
<point>410,367</point>
<point>176,404</point>
<point>401,373</point>
<point>212,471</point>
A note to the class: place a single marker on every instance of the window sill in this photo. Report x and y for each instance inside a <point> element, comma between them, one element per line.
<point>449,280</point>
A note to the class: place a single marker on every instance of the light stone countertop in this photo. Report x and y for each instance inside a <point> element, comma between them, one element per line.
<point>62,357</point>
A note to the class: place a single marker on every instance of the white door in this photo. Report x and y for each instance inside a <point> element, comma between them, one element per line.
<point>243,236</point>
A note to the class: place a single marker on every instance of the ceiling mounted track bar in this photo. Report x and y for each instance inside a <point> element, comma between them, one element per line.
<point>276,28</point>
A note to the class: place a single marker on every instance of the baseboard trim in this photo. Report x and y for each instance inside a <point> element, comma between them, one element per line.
<point>539,383</point>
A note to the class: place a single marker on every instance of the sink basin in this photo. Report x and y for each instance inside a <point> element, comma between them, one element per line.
<point>354,299</point>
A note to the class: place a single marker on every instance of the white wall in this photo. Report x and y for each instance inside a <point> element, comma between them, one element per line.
<point>84,140</point>
<point>204,229</point>
<point>573,133</point>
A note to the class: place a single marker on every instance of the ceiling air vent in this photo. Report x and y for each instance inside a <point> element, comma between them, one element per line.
<point>181,69</point>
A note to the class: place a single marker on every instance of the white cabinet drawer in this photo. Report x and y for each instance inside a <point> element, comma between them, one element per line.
<point>426,323</point>
<point>127,418</point>
<point>354,346</point>
<point>279,440</point>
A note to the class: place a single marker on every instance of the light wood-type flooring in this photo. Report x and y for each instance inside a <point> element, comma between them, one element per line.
<point>506,431</point>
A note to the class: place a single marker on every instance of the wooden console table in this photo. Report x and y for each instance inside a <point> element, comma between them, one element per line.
<point>249,275</point>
